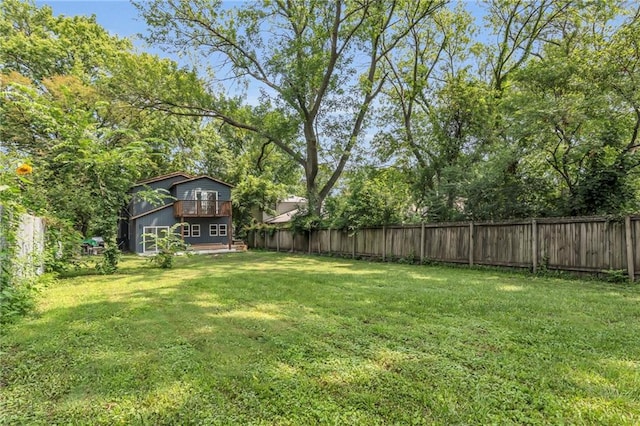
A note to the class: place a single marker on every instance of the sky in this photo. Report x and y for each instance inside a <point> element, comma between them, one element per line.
<point>119,17</point>
<point>116,16</point>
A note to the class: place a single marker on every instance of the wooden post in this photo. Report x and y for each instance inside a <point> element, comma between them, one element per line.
<point>353,252</point>
<point>422,243</point>
<point>230,231</point>
<point>471,243</point>
<point>329,241</point>
<point>278,239</point>
<point>629,240</point>
<point>384,243</point>
<point>310,236</point>
<point>534,246</point>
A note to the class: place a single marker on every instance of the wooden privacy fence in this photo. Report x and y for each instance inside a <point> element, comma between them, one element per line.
<point>579,244</point>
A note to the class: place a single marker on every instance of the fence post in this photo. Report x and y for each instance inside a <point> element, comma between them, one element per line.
<point>278,240</point>
<point>329,241</point>
<point>310,236</point>
<point>471,242</point>
<point>384,243</point>
<point>630,258</point>
<point>353,252</point>
<point>534,246</point>
<point>422,243</point>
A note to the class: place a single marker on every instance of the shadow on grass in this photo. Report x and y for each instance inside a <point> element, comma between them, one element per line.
<point>292,339</point>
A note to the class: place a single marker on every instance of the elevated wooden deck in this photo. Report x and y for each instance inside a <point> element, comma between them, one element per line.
<point>201,208</point>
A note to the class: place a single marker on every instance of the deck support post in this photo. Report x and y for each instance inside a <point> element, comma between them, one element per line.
<point>230,230</point>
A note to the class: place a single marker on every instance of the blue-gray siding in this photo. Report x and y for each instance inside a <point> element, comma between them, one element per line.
<point>162,217</point>
<point>139,206</point>
<point>165,217</point>
<point>186,190</point>
<point>204,223</point>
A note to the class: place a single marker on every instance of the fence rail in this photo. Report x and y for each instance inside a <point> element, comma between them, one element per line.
<point>578,244</point>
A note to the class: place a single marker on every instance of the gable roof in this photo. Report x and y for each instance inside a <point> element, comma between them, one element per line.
<point>282,218</point>
<point>201,177</point>
<point>151,211</point>
<point>162,177</point>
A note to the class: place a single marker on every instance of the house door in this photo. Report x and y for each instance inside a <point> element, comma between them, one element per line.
<point>150,235</point>
<point>207,202</point>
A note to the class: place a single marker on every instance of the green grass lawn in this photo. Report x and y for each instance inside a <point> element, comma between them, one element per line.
<point>266,338</point>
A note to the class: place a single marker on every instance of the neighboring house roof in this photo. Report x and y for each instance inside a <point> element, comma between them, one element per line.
<point>151,211</point>
<point>201,177</point>
<point>294,199</point>
<point>285,210</point>
<point>162,177</point>
<point>283,218</point>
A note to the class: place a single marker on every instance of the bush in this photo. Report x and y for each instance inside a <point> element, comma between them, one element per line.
<point>168,246</point>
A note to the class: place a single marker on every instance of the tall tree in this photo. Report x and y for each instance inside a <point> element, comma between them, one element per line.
<point>317,64</point>
<point>577,108</point>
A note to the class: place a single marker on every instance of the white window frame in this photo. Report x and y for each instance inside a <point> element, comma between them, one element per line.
<point>213,229</point>
<point>186,230</point>
<point>152,230</point>
<point>195,227</point>
<point>222,230</point>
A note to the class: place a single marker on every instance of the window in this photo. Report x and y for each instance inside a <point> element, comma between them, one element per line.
<point>150,235</point>
<point>185,230</point>
<point>223,230</point>
<point>213,230</point>
<point>195,230</point>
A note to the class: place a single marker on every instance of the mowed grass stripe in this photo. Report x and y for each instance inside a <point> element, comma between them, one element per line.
<point>267,338</point>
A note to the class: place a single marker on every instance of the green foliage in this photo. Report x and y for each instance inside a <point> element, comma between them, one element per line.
<point>16,289</point>
<point>62,245</point>
<point>305,221</point>
<point>167,246</point>
<point>371,197</point>
<point>616,276</point>
<point>110,257</point>
<point>309,68</point>
<point>546,124</point>
<point>252,196</point>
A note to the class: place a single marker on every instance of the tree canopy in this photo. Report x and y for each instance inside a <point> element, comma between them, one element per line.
<point>379,111</point>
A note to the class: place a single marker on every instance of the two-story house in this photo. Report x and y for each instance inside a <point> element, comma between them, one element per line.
<point>201,203</point>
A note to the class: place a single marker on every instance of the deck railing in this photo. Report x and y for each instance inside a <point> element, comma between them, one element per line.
<point>201,208</point>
